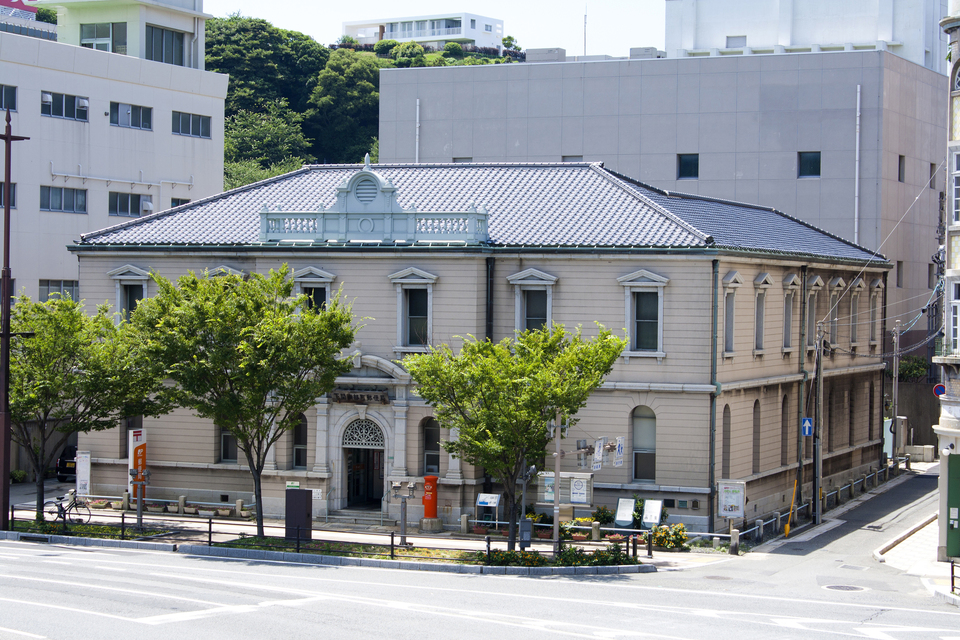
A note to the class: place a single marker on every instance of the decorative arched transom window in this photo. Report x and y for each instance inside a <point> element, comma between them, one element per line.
<point>363,434</point>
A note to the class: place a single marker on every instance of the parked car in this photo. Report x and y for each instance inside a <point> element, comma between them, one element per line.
<point>67,463</point>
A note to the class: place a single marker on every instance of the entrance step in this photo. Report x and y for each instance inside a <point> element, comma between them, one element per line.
<point>363,517</point>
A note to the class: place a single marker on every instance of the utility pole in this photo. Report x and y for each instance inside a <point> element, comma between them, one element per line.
<point>818,432</point>
<point>895,423</point>
<point>6,291</point>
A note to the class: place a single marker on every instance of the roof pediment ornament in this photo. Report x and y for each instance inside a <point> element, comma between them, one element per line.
<point>791,281</point>
<point>128,272</point>
<point>366,210</point>
<point>532,276</point>
<point>733,279</point>
<point>412,275</point>
<point>763,281</point>
<point>643,278</point>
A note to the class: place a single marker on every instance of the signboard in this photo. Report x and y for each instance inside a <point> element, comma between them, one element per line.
<point>597,455</point>
<point>293,484</point>
<point>651,512</point>
<point>317,494</point>
<point>625,507</point>
<point>83,473</point>
<point>807,426</point>
<point>548,489</point>
<point>578,491</point>
<point>732,497</point>
<point>618,458</point>
<point>939,390</point>
<point>488,500</point>
<point>137,448</point>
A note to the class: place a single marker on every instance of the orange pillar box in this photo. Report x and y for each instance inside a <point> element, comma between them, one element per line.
<point>430,496</point>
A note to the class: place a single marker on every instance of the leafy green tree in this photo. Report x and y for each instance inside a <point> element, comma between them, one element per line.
<point>407,50</point>
<point>244,172</point>
<point>375,151</point>
<point>270,135</point>
<point>452,50</point>
<point>47,15</point>
<point>347,40</point>
<point>384,47</point>
<point>346,107</point>
<point>509,42</point>
<point>500,396</point>
<point>264,63</point>
<point>76,373</point>
<point>245,353</point>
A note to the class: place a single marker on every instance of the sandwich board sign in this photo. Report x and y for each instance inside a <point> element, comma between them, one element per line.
<point>732,497</point>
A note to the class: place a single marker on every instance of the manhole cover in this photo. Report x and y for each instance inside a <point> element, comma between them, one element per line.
<point>716,577</point>
<point>853,567</point>
<point>844,587</point>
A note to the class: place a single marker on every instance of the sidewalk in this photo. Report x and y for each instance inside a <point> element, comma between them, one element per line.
<point>916,554</point>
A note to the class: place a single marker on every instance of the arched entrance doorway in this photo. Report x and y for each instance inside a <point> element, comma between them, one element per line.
<point>363,446</point>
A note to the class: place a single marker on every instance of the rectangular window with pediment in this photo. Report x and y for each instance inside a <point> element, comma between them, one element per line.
<point>414,309</point>
<point>644,304</point>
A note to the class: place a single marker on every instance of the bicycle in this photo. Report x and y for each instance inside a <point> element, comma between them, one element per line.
<point>67,508</point>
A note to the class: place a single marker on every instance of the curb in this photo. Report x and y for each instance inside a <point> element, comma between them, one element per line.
<point>87,542</point>
<point>315,559</point>
<point>879,552</point>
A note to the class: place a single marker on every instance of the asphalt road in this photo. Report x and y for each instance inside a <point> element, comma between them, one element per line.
<point>779,591</point>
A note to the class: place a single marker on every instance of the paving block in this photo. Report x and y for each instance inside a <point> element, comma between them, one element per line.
<point>629,568</point>
<point>350,562</point>
<point>431,566</point>
<point>471,568</point>
<point>564,571</point>
<point>518,571</point>
<point>647,568</point>
<point>331,560</point>
<point>541,571</point>
<point>271,555</point>
<point>606,571</point>
<point>390,564</point>
<point>586,571</point>
<point>495,571</point>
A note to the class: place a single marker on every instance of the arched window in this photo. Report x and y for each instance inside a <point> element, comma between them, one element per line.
<point>725,453</point>
<point>300,444</point>
<point>644,445</point>
<point>431,446</point>
<point>756,436</point>
<point>852,418</point>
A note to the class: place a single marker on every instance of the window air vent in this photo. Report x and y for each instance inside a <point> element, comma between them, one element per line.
<point>366,191</point>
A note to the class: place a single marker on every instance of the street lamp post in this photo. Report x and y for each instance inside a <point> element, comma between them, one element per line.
<point>411,487</point>
<point>6,293</point>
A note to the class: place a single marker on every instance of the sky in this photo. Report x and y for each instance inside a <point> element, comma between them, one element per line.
<point>613,26</point>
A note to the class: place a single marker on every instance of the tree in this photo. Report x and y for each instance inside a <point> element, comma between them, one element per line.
<point>270,135</point>
<point>375,151</point>
<point>45,14</point>
<point>452,50</point>
<point>509,42</point>
<point>76,373</point>
<point>501,396</point>
<point>245,354</point>
<point>264,63</point>
<point>347,40</point>
<point>244,172</point>
<point>346,107</point>
<point>384,47</point>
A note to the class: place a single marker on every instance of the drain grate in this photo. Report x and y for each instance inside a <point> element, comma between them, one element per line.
<point>844,587</point>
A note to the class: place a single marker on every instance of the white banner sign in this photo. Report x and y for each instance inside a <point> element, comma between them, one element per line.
<point>651,512</point>
<point>488,499</point>
<point>548,489</point>
<point>618,458</point>
<point>83,473</point>
<point>578,491</point>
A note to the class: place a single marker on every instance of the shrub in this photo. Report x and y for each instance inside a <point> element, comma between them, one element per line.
<point>613,554</point>
<point>572,557</point>
<point>532,559</point>
<point>348,40</point>
<point>385,47</point>
<point>452,50</point>
<point>501,558</point>
<point>407,50</point>
<point>18,475</point>
<point>603,515</point>
<point>668,536</point>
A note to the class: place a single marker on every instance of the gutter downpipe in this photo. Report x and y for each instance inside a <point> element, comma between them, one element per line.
<point>802,390</point>
<point>883,378</point>
<point>856,180</point>
<point>416,150</point>
<point>714,340</point>
<point>196,34</point>
<point>489,323</point>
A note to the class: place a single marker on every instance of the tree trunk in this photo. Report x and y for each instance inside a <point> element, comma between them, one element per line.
<point>38,479</point>
<point>512,515</point>
<point>258,496</point>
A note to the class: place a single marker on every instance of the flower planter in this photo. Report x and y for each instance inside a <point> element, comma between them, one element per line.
<point>98,505</point>
<point>173,508</point>
<point>579,537</point>
<point>116,506</point>
<point>206,514</point>
<point>545,535</point>
<point>191,510</point>
<point>246,514</point>
<point>480,531</point>
<point>155,509</point>
<point>224,513</point>
<point>616,537</point>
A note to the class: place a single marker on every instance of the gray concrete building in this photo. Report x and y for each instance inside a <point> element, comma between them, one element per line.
<point>850,141</point>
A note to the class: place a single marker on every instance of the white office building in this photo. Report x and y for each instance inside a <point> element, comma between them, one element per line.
<point>433,30</point>
<point>122,121</point>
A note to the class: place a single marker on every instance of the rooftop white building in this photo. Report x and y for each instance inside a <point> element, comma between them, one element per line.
<point>907,28</point>
<point>433,30</point>
<point>122,121</point>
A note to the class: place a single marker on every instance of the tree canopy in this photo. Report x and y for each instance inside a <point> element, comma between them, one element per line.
<point>346,107</point>
<point>244,353</point>
<point>500,396</point>
<point>270,135</point>
<point>76,373</point>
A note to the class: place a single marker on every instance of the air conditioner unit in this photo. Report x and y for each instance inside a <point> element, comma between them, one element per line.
<point>146,205</point>
<point>46,97</point>
<point>83,103</point>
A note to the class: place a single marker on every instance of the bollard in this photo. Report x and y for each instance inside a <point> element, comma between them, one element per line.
<point>126,500</point>
<point>392,547</point>
<point>239,506</point>
<point>464,523</point>
<point>123,525</point>
<point>758,537</point>
<point>209,532</point>
<point>908,462</point>
<point>181,504</point>
<point>734,542</point>
<point>716,543</point>
<point>487,540</point>
<point>778,522</point>
<point>298,538</point>
<point>594,530</point>
<point>650,543</point>
<point>634,546</point>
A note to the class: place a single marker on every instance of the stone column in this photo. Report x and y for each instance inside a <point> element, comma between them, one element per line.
<point>454,472</point>
<point>399,441</point>
<point>321,463</point>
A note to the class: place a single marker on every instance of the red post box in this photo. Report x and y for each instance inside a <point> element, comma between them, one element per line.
<point>430,496</point>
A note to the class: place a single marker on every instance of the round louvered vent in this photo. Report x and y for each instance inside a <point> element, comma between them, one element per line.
<point>366,191</point>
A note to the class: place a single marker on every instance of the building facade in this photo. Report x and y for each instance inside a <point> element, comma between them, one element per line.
<point>122,121</point>
<point>431,30</point>
<point>719,301</point>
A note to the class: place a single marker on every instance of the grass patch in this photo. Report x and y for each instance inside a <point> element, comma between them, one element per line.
<point>346,549</point>
<point>85,530</point>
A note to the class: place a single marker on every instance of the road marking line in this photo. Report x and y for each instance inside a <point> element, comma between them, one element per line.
<point>61,607</point>
<point>22,633</point>
<point>124,590</point>
<point>69,564</point>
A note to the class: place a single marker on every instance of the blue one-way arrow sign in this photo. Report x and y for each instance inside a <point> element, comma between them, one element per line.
<point>807,425</point>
